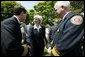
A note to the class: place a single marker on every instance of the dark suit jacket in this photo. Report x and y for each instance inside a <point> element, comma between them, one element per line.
<point>37,41</point>
<point>11,38</point>
<point>68,37</point>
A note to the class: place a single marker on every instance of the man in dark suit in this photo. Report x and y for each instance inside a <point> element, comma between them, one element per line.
<point>11,35</point>
<point>68,35</point>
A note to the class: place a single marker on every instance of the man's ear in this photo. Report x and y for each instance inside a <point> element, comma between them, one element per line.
<point>21,13</point>
<point>63,8</point>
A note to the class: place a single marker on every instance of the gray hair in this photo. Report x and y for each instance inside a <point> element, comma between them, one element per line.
<point>62,3</point>
<point>38,17</point>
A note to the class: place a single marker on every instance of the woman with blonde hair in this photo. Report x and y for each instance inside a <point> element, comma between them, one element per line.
<point>37,37</point>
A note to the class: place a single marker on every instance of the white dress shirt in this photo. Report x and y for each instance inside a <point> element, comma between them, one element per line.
<point>35,27</point>
<point>65,15</point>
<point>17,19</point>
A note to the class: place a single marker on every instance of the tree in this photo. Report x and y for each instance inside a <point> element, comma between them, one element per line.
<point>46,10</point>
<point>7,9</point>
<point>77,6</point>
<point>30,15</point>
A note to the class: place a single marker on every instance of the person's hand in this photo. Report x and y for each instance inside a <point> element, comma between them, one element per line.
<point>49,50</point>
<point>29,46</point>
<point>25,50</point>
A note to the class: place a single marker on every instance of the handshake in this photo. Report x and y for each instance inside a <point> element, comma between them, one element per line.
<point>53,51</point>
<point>49,50</point>
<point>26,49</point>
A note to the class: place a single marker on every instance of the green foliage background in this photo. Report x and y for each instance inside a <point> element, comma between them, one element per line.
<point>44,8</point>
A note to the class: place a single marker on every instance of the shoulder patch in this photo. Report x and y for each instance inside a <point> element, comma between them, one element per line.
<point>76,20</point>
